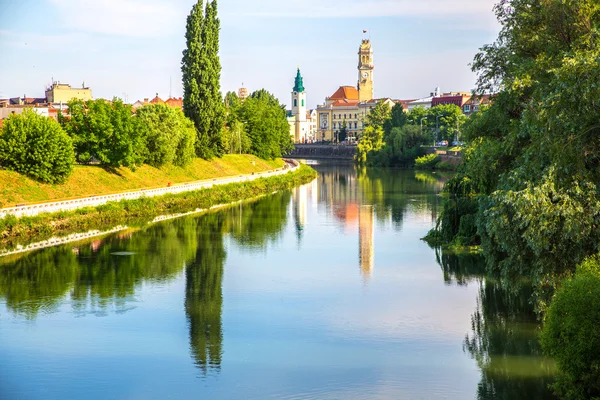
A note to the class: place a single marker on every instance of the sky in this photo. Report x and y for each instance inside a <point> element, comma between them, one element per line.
<point>132,48</point>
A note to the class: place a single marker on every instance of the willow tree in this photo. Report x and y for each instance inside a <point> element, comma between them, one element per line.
<point>201,70</point>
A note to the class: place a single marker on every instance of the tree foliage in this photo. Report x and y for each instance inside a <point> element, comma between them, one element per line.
<point>106,132</point>
<point>371,141</point>
<point>168,136</point>
<point>265,124</point>
<point>36,146</point>
<point>533,157</point>
<point>570,333</point>
<point>201,73</point>
<point>378,115</point>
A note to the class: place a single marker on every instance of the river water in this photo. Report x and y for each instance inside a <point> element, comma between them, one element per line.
<point>322,292</point>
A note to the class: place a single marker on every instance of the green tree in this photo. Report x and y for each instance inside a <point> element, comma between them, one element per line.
<point>570,333</point>
<point>372,140</point>
<point>398,118</point>
<point>169,136</point>
<point>448,118</point>
<point>104,131</point>
<point>533,155</point>
<point>201,71</point>
<point>266,125</point>
<point>378,115</point>
<point>36,146</point>
<point>342,133</point>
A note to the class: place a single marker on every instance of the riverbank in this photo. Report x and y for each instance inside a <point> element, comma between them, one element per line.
<point>88,180</point>
<point>140,211</point>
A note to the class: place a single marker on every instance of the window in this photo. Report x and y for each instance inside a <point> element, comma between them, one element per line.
<point>295,103</point>
<point>344,116</point>
<point>355,125</point>
<point>339,116</point>
<point>333,116</point>
<point>475,108</point>
<point>355,116</point>
<point>467,108</point>
<point>334,125</point>
<point>302,102</point>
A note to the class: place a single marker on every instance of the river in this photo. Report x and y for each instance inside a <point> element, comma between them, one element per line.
<point>322,292</point>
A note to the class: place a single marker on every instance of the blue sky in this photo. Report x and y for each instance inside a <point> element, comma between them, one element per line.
<point>132,48</point>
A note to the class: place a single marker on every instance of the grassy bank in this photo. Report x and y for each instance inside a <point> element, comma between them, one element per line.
<point>137,212</point>
<point>93,180</point>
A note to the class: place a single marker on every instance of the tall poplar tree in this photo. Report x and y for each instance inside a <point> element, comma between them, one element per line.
<point>201,70</point>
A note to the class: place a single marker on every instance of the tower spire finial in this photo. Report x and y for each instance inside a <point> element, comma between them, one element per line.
<point>298,84</point>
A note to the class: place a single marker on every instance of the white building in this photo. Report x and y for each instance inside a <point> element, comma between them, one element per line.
<point>299,124</point>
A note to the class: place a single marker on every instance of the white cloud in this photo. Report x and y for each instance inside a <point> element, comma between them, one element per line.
<point>357,8</point>
<point>136,18</point>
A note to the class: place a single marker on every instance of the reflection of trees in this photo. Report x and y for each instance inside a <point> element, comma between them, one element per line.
<point>504,343</point>
<point>392,193</point>
<point>97,277</point>
<point>38,282</point>
<point>204,293</point>
<point>92,273</point>
<point>503,338</point>
<point>461,269</point>
<point>255,224</point>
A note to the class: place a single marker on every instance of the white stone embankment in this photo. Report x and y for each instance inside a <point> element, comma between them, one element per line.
<point>93,201</point>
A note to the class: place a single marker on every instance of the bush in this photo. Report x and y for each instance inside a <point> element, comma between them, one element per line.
<point>36,146</point>
<point>169,137</point>
<point>427,161</point>
<point>444,166</point>
<point>104,131</point>
<point>571,335</point>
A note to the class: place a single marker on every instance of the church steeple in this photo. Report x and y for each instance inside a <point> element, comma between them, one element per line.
<point>298,84</point>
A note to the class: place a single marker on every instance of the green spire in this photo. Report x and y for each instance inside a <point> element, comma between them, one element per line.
<point>298,86</point>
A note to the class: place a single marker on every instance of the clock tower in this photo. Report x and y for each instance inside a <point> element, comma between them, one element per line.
<point>365,71</point>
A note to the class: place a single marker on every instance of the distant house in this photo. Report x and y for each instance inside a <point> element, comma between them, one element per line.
<point>424,102</point>
<point>474,103</point>
<point>157,100</point>
<point>62,92</point>
<point>171,102</point>
<point>404,103</point>
<point>175,102</point>
<point>456,98</point>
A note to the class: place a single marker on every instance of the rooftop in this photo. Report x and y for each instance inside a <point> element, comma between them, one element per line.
<point>345,93</point>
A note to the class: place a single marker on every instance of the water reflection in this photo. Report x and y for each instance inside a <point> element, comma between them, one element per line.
<point>302,313</point>
<point>204,293</point>
<point>503,338</point>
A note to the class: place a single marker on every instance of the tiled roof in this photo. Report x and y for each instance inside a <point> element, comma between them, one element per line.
<point>344,103</point>
<point>345,92</point>
<point>174,102</point>
<point>157,100</point>
<point>457,100</point>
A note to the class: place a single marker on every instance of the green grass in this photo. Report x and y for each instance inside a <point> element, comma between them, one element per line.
<point>140,211</point>
<point>94,180</point>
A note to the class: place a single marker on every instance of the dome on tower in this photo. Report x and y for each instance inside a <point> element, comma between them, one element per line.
<point>298,84</point>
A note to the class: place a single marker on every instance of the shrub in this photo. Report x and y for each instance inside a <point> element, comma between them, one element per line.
<point>571,335</point>
<point>104,131</point>
<point>169,137</point>
<point>427,161</point>
<point>444,166</point>
<point>36,146</point>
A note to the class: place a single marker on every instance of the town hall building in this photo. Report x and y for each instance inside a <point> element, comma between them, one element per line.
<point>348,106</point>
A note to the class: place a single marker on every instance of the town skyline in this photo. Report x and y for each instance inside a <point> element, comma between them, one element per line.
<point>417,46</point>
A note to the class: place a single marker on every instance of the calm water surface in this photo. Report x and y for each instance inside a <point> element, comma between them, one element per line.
<point>323,292</point>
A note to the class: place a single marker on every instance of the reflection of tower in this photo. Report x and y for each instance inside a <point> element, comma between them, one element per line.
<point>204,294</point>
<point>300,200</point>
<point>365,239</point>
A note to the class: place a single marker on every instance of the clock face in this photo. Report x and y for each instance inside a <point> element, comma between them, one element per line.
<point>365,75</point>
